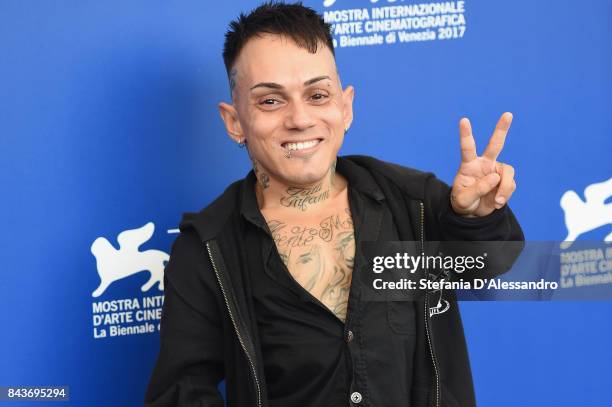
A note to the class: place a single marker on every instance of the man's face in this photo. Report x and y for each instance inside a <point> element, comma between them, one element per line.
<point>286,98</point>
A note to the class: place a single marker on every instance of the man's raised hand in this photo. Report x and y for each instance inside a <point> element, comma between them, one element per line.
<point>482,184</point>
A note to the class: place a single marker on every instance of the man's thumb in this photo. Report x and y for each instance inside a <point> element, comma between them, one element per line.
<point>482,187</point>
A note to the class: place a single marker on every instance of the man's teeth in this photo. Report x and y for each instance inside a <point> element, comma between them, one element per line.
<point>301,146</point>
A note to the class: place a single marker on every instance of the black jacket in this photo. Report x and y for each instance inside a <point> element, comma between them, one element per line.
<point>207,321</point>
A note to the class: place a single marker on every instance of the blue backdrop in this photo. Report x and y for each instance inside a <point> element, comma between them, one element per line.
<point>109,121</point>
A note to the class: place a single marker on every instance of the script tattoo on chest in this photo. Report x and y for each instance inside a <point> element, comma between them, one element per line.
<point>320,257</point>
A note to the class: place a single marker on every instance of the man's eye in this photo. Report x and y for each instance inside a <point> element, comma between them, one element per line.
<point>269,102</point>
<point>319,96</point>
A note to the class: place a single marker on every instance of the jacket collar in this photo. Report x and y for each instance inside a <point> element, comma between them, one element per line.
<point>240,196</point>
<point>359,178</point>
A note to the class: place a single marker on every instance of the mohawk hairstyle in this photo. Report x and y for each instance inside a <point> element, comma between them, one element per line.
<point>300,23</point>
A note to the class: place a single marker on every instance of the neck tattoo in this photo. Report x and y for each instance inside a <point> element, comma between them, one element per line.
<point>261,176</point>
<point>302,198</point>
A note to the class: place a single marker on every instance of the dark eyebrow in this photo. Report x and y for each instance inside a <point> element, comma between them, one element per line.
<point>267,85</point>
<point>317,79</point>
<point>273,85</point>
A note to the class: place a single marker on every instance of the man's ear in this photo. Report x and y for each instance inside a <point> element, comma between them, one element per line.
<point>348,95</point>
<point>232,124</point>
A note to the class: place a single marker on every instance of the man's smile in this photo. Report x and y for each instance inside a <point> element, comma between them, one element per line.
<point>298,148</point>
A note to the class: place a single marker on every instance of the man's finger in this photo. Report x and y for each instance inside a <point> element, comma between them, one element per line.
<point>471,194</point>
<point>507,185</point>
<point>496,142</point>
<point>466,140</point>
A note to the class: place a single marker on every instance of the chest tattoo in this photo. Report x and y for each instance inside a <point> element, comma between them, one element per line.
<point>319,256</point>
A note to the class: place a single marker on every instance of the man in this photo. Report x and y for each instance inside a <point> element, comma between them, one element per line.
<point>259,285</point>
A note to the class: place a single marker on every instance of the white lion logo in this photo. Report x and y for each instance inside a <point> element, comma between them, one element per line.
<point>590,214</point>
<point>116,264</point>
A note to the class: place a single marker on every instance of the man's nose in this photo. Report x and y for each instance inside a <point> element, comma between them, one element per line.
<point>299,116</point>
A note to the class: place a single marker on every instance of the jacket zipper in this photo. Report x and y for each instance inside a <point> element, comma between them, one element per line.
<point>235,325</point>
<point>431,351</point>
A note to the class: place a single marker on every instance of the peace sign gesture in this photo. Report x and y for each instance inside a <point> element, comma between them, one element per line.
<point>482,184</point>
